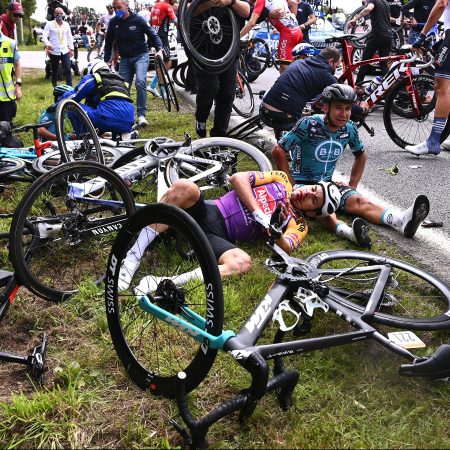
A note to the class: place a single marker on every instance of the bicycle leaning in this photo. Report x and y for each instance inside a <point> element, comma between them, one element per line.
<point>167,327</point>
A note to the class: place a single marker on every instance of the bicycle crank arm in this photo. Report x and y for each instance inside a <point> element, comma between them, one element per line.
<point>370,130</point>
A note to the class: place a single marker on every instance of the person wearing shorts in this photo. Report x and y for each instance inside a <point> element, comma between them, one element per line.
<point>241,215</point>
<point>287,26</point>
<point>433,146</point>
<point>316,143</point>
<point>161,15</point>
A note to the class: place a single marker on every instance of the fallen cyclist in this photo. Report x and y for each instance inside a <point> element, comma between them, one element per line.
<point>242,214</point>
<point>315,145</point>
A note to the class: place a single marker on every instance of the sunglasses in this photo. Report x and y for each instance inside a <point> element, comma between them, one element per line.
<point>17,15</point>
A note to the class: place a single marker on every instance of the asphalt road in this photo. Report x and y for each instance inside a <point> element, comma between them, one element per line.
<point>431,246</point>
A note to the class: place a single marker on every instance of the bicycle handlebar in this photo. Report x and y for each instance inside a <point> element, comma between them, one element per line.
<point>32,126</point>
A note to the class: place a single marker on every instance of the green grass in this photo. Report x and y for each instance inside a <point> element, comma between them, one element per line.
<point>347,397</point>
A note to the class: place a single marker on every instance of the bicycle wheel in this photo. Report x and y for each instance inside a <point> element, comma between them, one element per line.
<point>168,94</point>
<point>209,33</point>
<point>230,154</point>
<point>152,350</point>
<point>361,28</point>
<point>76,223</point>
<point>50,160</point>
<point>243,103</point>
<point>177,77</point>
<point>402,125</point>
<point>9,166</point>
<point>413,298</point>
<point>72,121</point>
<point>256,57</point>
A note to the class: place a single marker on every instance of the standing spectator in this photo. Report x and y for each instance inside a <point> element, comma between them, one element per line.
<point>133,38</point>
<point>419,16</point>
<point>381,36</point>
<point>51,8</point>
<point>162,15</point>
<point>9,19</point>
<point>10,91</point>
<point>146,13</point>
<point>432,145</point>
<point>305,18</point>
<point>219,88</point>
<point>58,40</point>
<point>84,29</point>
<point>102,24</point>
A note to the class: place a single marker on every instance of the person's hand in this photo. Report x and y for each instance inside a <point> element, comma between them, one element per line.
<point>160,54</point>
<point>352,22</point>
<point>365,107</point>
<point>419,41</point>
<point>71,53</point>
<point>18,92</point>
<point>261,218</point>
<point>49,47</point>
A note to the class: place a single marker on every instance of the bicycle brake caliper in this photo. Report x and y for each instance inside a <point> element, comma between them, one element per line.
<point>309,301</point>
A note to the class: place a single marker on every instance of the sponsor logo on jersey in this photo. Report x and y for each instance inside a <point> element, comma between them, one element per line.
<point>329,151</point>
<point>344,136</point>
<point>265,200</point>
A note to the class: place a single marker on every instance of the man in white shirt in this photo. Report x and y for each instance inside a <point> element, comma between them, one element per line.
<point>58,41</point>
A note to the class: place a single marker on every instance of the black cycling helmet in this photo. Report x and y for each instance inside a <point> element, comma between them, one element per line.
<point>339,93</point>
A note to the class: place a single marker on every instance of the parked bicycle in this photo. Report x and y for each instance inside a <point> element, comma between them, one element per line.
<point>167,333</point>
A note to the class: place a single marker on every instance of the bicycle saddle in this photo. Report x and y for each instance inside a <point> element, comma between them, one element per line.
<point>436,366</point>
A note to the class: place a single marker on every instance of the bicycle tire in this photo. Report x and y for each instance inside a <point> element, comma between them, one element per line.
<point>243,103</point>
<point>74,239</point>
<point>166,82</point>
<point>177,75</point>
<point>8,166</point>
<point>50,160</point>
<point>422,292</point>
<point>360,28</point>
<point>402,126</point>
<point>152,351</point>
<point>210,37</point>
<point>71,118</point>
<point>237,156</point>
<point>258,51</point>
<point>246,128</point>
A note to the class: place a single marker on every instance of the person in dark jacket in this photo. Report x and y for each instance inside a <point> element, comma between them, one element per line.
<point>417,11</point>
<point>303,80</point>
<point>134,38</point>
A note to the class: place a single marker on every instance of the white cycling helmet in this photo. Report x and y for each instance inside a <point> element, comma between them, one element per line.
<point>95,65</point>
<point>332,198</point>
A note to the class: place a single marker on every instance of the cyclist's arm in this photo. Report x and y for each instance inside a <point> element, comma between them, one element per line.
<point>250,24</point>
<point>279,156</point>
<point>294,235</point>
<point>357,169</point>
<point>435,15</point>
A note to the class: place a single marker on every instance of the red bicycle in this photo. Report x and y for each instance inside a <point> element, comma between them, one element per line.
<point>408,97</point>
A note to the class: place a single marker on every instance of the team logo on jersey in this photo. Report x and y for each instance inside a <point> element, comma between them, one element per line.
<point>329,151</point>
<point>344,136</point>
<point>265,200</point>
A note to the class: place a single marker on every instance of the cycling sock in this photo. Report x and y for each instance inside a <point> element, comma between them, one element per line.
<point>342,229</point>
<point>433,144</point>
<point>145,238</point>
<point>154,82</point>
<point>150,283</point>
<point>392,217</point>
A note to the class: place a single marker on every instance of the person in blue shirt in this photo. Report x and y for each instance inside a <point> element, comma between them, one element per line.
<point>315,145</point>
<point>107,100</point>
<point>48,115</point>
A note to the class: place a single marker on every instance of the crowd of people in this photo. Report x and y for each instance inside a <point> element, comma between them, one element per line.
<point>307,149</point>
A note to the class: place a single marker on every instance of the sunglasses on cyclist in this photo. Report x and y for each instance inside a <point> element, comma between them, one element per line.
<point>17,15</point>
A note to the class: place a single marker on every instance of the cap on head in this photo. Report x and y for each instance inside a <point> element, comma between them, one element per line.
<point>15,8</point>
<point>331,196</point>
<point>339,93</point>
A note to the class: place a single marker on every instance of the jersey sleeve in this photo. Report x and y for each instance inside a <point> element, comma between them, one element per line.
<point>259,5</point>
<point>355,143</point>
<point>296,232</point>
<point>260,178</point>
<point>291,138</point>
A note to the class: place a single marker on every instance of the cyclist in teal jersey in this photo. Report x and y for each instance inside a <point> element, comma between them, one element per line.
<point>316,143</point>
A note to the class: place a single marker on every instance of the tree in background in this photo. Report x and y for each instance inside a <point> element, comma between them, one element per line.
<point>84,14</point>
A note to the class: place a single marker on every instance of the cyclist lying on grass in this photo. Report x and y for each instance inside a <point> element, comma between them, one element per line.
<point>316,143</point>
<point>240,215</point>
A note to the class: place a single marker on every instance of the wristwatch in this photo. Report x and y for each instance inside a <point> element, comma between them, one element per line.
<point>18,82</point>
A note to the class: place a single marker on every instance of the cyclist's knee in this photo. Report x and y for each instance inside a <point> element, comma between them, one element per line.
<point>182,193</point>
<point>358,204</point>
<point>235,262</point>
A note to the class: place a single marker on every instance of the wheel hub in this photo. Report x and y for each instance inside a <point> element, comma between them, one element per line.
<point>169,296</point>
<point>211,26</point>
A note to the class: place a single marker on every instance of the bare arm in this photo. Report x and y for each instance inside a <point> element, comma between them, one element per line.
<point>241,185</point>
<point>435,15</point>
<point>281,162</point>
<point>363,13</point>
<point>18,72</point>
<point>357,169</point>
<point>250,24</point>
